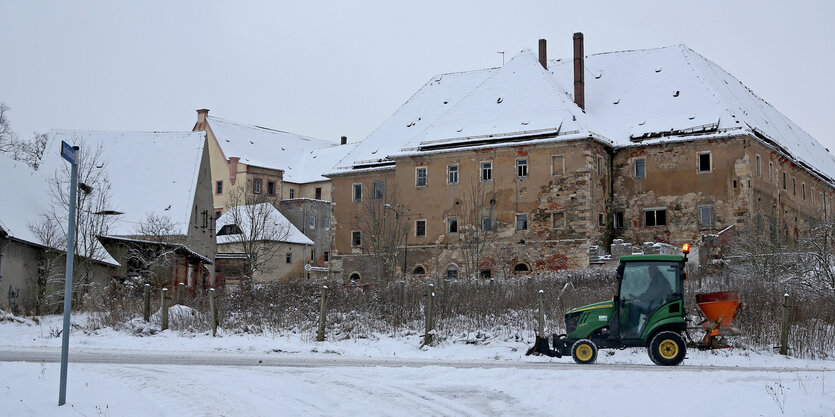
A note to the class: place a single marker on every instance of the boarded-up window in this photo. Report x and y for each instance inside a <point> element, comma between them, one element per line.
<point>706,217</point>
<point>557,165</point>
<point>558,220</point>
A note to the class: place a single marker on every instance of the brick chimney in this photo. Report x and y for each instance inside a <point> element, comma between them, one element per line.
<point>543,54</point>
<point>233,168</point>
<point>343,140</point>
<point>201,115</point>
<point>579,81</point>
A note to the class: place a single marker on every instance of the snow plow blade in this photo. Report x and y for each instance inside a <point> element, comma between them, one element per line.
<point>541,347</point>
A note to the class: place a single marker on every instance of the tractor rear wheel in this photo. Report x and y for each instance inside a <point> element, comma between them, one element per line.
<point>667,349</point>
<point>584,351</point>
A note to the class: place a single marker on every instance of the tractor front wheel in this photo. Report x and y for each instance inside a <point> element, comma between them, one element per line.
<point>667,349</point>
<point>584,351</point>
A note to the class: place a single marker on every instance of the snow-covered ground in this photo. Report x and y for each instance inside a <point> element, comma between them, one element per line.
<point>392,375</point>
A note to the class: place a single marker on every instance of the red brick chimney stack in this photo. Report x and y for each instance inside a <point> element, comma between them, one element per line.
<point>543,54</point>
<point>201,115</point>
<point>579,81</point>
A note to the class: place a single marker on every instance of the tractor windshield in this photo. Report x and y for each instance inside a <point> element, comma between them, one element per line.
<point>644,287</point>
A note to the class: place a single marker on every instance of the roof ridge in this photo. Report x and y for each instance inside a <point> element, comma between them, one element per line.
<point>268,129</point>
<point>622,51</point>
<point>199,132</point>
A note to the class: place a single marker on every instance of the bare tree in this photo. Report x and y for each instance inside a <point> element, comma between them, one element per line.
<point>383,223</point>
<point>255,228</point>
<point>816,272</point>
<point>152,254</point>
<point>762,248</point>
<point>29,152</point>
<point>90,222</point>
<point>474,232</point>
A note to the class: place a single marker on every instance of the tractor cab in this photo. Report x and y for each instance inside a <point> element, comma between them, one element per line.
<point>649,292</point>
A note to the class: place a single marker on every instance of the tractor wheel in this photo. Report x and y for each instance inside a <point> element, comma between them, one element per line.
<point>584,351</point>
<point>667,349</point>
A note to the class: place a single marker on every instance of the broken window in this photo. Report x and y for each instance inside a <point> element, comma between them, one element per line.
<point>487,171</point>
<point>794,186</point>
<point>485,273</point>
<point>420,228</point>
<point>521,168</point>
<point>219,187</point>
<point>601,220</point>
<point>770,173</point>
<point>803,190</point>
<point>640,168</point>
<point>521,267</point>
<point>420,177</point>
<point>757,168</point>
<point>377,190</point>
<point>355,277</point>
<point>357,192</point>
<point>599,165</point>
<point>704,162</point>
<point>618,220</point>
<point>706,217</point>
<point>558,220</point>
<point>655,217</point>
<point>419,270</point>
<point>256,186</point>
<point>289,258</point>
<point>452,225</point>
<point>487,224</point>
<point>318,193</point>
<point>452,174</point>
<point>229,229</point>
<point>557,165</point>
<point>270,188</point>
<point>356,238</point>
<point>325,256</point>
<point>521,222</point>
<point>452,272</point>
<point>784,180</point>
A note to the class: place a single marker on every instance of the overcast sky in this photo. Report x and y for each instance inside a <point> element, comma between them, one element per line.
<point>332,69</point>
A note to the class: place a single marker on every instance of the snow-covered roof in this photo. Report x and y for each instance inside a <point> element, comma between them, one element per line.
<point>148,172</point>
<point>631,97</point>
<point>25,197</point>
<point>303,159</point>
<point>263,221</point>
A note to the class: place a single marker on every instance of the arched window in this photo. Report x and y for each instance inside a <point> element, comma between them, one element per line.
<point>419,270</point>
<point>452,272</point>
<point>521,267</point>
<point>355,277</point>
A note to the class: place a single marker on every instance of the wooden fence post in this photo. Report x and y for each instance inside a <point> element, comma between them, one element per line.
<point>146,312</point>
<point>430,320</point>
<point>181,294</point>
<point>784,331</point>
<point>323,313</point>
<point>213,308</point>
<point>164,308</point>
<point>541,327</point>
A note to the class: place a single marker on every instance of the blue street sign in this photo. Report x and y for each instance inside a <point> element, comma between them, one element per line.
<point>67,152</point>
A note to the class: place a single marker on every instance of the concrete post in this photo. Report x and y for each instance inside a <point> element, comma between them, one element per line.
<point>213,308</point>
<point>541,327</point>
<point>181,294</point>
<point>146,311</point>
<point>164,308</point>
<point>784,331</point>
<point>323,313</point>
<point>430,319</point>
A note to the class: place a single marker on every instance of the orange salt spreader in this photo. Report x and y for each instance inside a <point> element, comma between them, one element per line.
<point>719,310</point>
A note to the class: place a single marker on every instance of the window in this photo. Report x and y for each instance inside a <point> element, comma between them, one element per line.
<point>487,171</point>
<point>487,224</point>
<point>355,277</point>
<point>770,168</point>
<point>452,272</point>
<point>219,187</point>
<point>327,223</point>
<point>618,220</point>
<point>357,192</point>
<point>325,257</point>
<point>420,228</point>
<point>377,190</point>
<point>485,273</point>
<point>218,212</point>
<point>289,258</point>
<point>803,190</point>
<point>794,186</point>
<point>452,174</point>
<point>558,220</point>
<point>521,267</point>
<point>229,229</point>
<point>601,220</point>
<point>292,193</point>
<point>640,170</point>
<point>521,222</point>
<point>312,222</point>
<point>812,197</point>
<point>419,270</point>
<point>784,180</point>
<point>356,238</point>
<point>821,199</point>
<point>704,162</point>
<point>452,225</point>
<point>599,165</point>
<point>318,193</point>
<point>655,217</point>
<point>420,177</point>
<point>557,165</point>
<point>256,186</point>
<point>521,168</point>
<point>706,217</point>
<point>757,167</point>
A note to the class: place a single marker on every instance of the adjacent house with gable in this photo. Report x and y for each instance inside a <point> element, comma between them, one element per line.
<point>533,166</point>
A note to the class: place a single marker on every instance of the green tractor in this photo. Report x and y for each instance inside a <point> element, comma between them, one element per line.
<point>647,311</point>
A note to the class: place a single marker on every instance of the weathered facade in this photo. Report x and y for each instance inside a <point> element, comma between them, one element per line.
<point>550,180</point>
<point>313,219</point>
